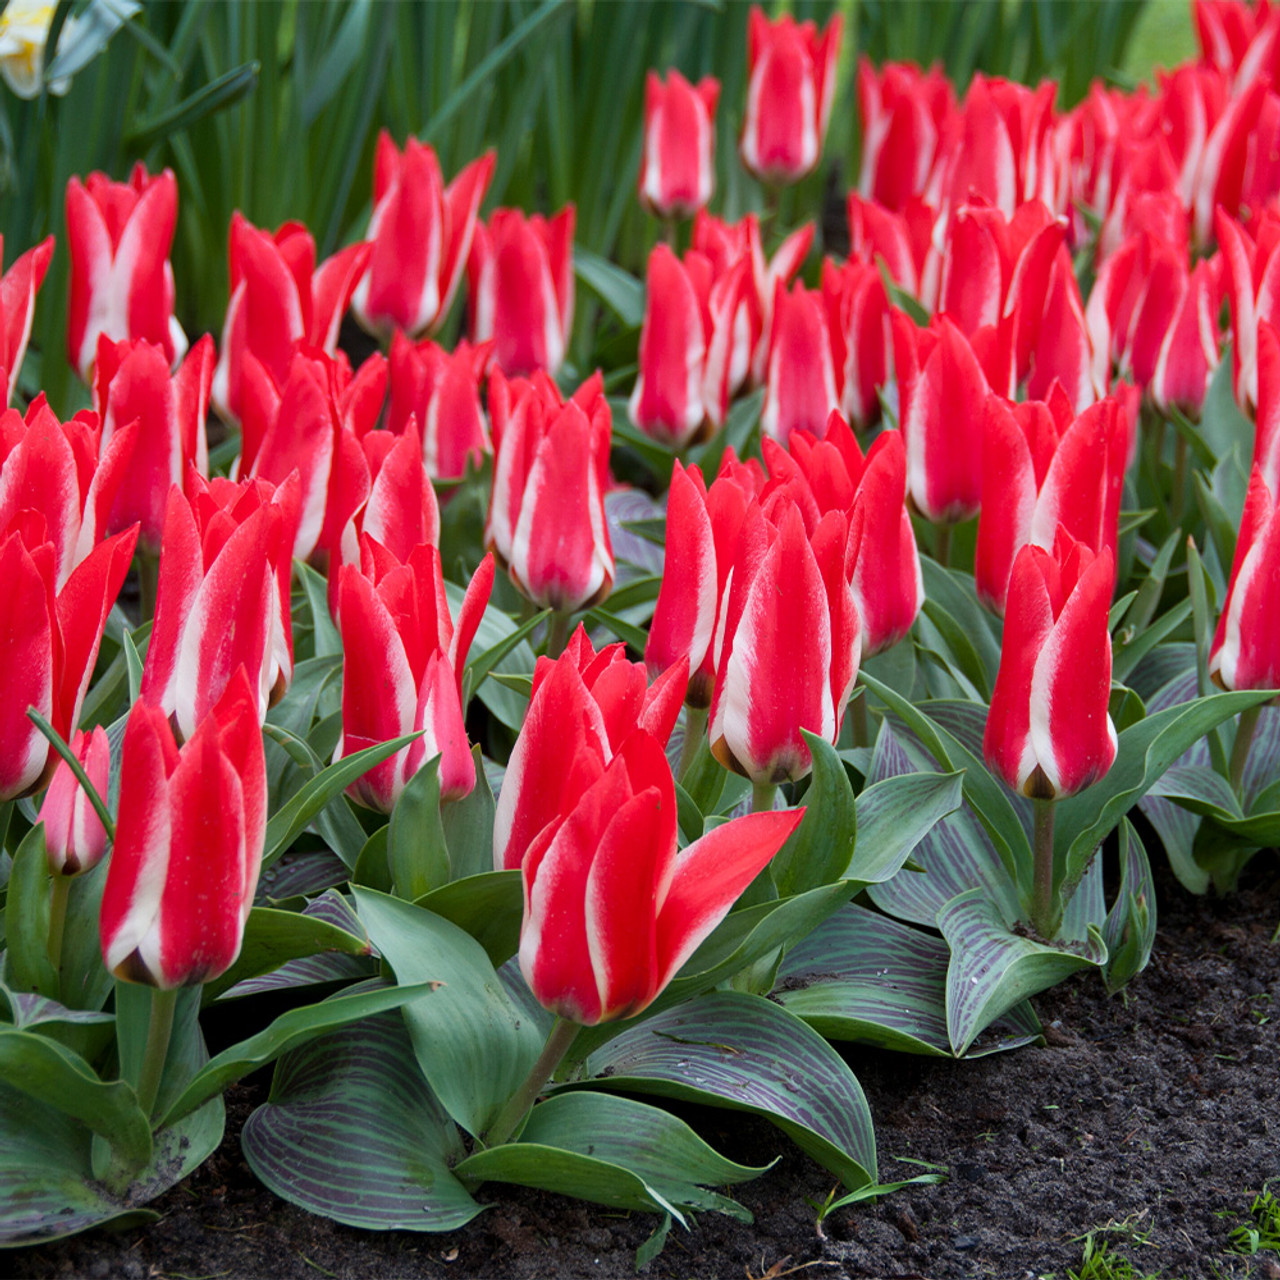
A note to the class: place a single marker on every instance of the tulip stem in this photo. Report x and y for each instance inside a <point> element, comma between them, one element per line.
<point>57,920</point>
<point>942,546</point>
<point>163,1003</point>
<point>1045,916</point>
<point>695,728</point>
<point>560,1037</point>
<point>1240,751</point>
<point>762,794</point>
<point>558,632</point>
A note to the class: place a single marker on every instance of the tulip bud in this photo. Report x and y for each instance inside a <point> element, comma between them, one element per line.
<point>677,171</point>
<point>18,288</point>
<point>74,836</point>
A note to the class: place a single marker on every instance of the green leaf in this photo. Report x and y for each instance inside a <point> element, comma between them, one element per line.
<point>626,631</point>
<point>894,816</point>
<point>1130,927</point>
<point>612,1151</point>
<point>468,826</point>
<point>489,907</point>
<point>503,649</point>
<point>288,822</point>
<point>217,95</point>
<point>326,639</point>
<point>26,919</point>
<point>819,850</point>
<point>288,1031</point>
<point>271,938</point>
<point>619,290</point>
<point>729,1049</point>
<point>416,849</point>
<point>352,1132</point>
<point>474,1048</point>
<point>861,976</point>
<point>51,1073</point>
<point>992,968</point>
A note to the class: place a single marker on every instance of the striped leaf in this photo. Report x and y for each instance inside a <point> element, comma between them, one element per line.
<point>894,815</point>
<point>992,968</point>
<point>1130,928</point>
<point>616,1152</point>
<point>730,1049</point>
<point>352,1132</point>
<point>861,976</point>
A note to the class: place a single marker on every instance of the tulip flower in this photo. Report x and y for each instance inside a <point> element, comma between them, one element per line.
<point>119,235</point>
<point>1252,269</point>
<point>520,272</point>
<point>1266,440</point>
<point>65,471</point>
<point>725,244</point>
<point>74,836</point>
<point>440,391</point>
<point>858,325</point>
<point>18,288</point>
<point>788,645</point>
<point>546,518</point>
<point>188,846</point>
<point>791,86</point>
<point>421,234</point>
<point>677,169</point>
<point>801,391</point>
<point>1246,646</point>
<point>222,599</point>
<point>131,381</point>
<point>612,908</point>
<point>1048,732</point>
<point>404,660</point>
<point>280,300</point>
<point>903,240</point>
<point>1043,469</point>
<point>49,639</point>
<point>686,347</point>
<point>582,707</point>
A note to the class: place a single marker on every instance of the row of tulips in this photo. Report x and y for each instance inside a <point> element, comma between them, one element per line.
<point>987,381</point>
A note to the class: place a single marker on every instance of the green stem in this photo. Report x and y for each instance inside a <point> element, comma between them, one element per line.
<point>942,546</point>
<point>57,920</point>
<point>695,729</point>
<point>6,814</point>
<point>1240,751</point>
<point>669,233</point>
<point>558,632</point>
<point>858,719</point>
<point>148,583</point>
<point>560,1037</point>
<point>1045,915</point>
<point>1179,479</point>
<point>159,1030</point>
<point>762,794</point>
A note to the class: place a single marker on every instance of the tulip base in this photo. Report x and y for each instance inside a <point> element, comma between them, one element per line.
<point>559,1038</point>
<point>1046,907</point>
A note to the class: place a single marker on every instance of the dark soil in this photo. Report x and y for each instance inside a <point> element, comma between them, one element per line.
<point>1149,1119</point>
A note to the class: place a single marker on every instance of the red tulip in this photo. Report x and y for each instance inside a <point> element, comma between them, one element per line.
<point>188,846</point>
<point>790,90</point>
<point>551,470</point>
<point>280,300</point>
<point>421,234</point>
<point>74,836</point>
<point>677,170</point>
<point>612,908</point>
<point>788,643</point>
<point>131,381</point>
<point>119,235</point>
<point>904,240</point>
<point>440,392</point>
<point>1246,646</point>
<point>1266,441</point>
<point>802,388</point>
<point>64,471</point>
<point>858,324</point>
<point>1252,269</point>
<point>18,287</point>
<point>582,708</point>
<point>49,640</point>
<point>222,598</point>
<point>521,277</point>
<point>1048,732</point>
<point>404,660</point>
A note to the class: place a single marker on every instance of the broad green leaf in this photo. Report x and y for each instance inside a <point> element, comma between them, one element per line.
<point>287,823</point>
<point>416,850</point>
<point>821,847</point>
<point>864,977</point>
<point>954,591</point>
<point>468,826</point>
<point>488,906</point>
<point>474,1048</point>
<point>894,815</point>
<point>288,1031</point>
<point>273,937</point>
<point>26,919</point>
<point>612,1151</point>
<point>352,1132</point>
<point>744,1052</point>
<point>326,639</point>
<point>741,423</point>
<point>619,290</point>
<point>992,968</point>
<point>1130,928</point>
<point>499,645</point>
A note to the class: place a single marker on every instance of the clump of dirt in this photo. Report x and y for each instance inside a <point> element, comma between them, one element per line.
<point>1151,1116</point>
